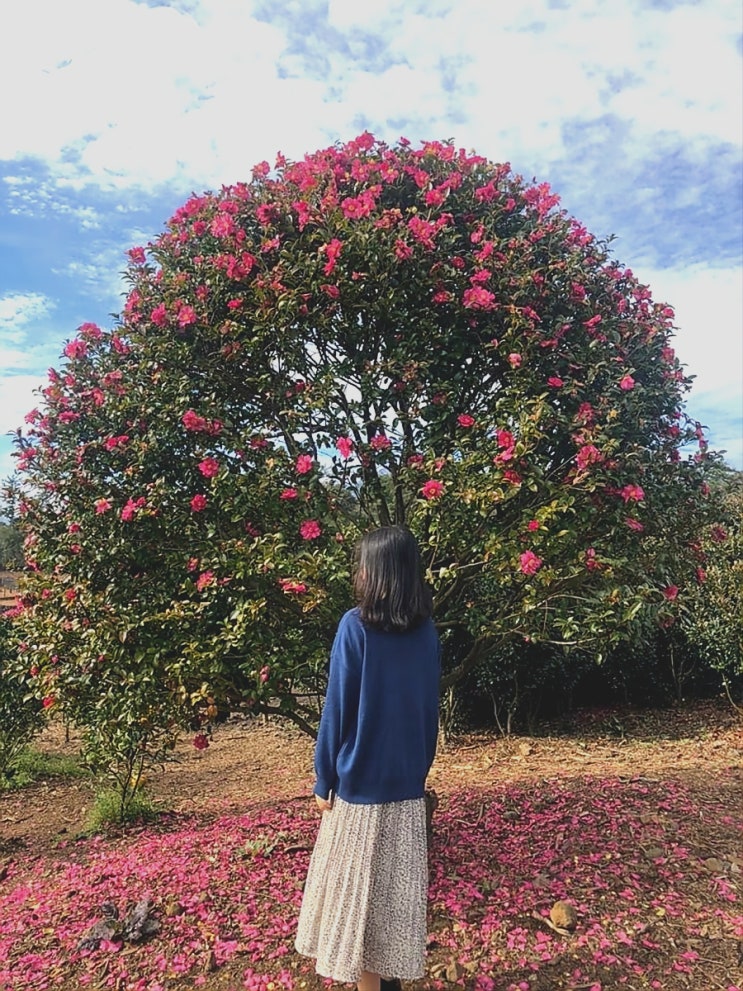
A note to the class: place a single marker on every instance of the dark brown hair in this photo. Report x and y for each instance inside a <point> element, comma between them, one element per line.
<point>389,584</point>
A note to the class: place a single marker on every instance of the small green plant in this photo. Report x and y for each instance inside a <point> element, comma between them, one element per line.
<point>262,845</point>
<point>21,716</point>
<point>31,765</point>
<point>109,810</point>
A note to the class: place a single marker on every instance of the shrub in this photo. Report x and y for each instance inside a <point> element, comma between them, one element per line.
<point>21,714</point>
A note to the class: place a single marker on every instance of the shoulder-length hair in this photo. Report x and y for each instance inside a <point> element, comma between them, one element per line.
<point>389,585</point>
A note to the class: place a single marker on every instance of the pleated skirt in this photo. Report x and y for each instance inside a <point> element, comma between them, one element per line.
<point>364,903</point>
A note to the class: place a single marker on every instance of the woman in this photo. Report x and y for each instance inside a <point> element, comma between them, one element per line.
<point>363,914</point>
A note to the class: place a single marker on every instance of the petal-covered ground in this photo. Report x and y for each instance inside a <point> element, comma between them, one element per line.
<point>651,866</point>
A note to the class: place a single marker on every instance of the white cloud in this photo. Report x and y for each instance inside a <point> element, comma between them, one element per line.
<point>194,93</point>
<point>709,315</point>
<point>18,398</point>
<point>98,272</point>
<point>19,309</point>
<point>122,94</point>
<point>708,303</point>
<point>24,350</point>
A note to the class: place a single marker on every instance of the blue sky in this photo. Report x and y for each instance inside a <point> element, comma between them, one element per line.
<point>114,111</point>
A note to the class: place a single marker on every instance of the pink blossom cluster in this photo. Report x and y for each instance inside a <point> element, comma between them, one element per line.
<point>200,424</point>
<point>132,507</point>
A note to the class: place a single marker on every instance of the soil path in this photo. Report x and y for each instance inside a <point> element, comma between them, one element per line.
<point>251,761</point>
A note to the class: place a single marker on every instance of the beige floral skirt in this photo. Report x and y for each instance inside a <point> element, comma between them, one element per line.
<point>364,904</point>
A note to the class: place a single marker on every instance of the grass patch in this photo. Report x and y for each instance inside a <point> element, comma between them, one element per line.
<point>34,765</point>
<point>107,810</point>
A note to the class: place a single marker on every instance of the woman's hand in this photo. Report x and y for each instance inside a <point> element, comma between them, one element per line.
<point>324,804</point>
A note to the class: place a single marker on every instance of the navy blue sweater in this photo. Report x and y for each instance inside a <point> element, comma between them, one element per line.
<point>377,736</point>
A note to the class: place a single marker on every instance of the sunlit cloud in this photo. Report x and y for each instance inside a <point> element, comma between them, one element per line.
<point>19,309</point>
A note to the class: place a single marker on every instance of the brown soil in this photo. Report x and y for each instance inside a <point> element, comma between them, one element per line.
<point>253,761</point>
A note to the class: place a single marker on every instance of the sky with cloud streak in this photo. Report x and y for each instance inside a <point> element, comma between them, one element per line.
<point>114,111</point>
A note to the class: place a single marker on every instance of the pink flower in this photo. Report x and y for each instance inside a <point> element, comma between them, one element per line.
<point>402,250</point>
<point>344,446</point>
<point>192,421</point>
<point>530,563</point>
<point>186,316</point>
<point>209,467</point>
<point>265,673</point>
<point>137,255</point>
<point>304,464</point>
<point>70,594</point>
<point>131,507</point>
<point>509,475</point>
<point>433,489</point>
<point>592,562</point>
<point>201,741</point>
<point>718,534</point>
<point>289,494</point>
<point>222,226</point>
<point>76,349</point>
<point>310,530</point>
<point>113,442</point>
<point>533,525</point>
<point>331,251</point>
<point>478,298</point>
<point>505,438</point>
<point>48,701</point>
<point>634,524</point>
<point>465,420</point>
<point>589,454</point>
<point>90,331</point>
<point>632,493</point>
<point>290,587</point>
<point>267,213</point>
<point>670,592</point>
<point>360,206</point>
<point>435,197</point>
<point>380,442</point>
<point>627,383</point>
<point>159,315</point>
<point>701,575</point>
<point>205,579</point>
<point>199,503</point>
<point>555,382</point>
<point>415,460</point>
<point>515,360</point>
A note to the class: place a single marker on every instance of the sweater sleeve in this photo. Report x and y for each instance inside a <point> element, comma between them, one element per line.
<point>340,712</point>
<point>432,733</point>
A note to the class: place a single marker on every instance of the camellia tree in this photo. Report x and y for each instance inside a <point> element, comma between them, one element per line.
<point>375,334</point>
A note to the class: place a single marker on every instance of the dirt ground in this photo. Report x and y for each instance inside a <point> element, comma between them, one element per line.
<point>253,761</point>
